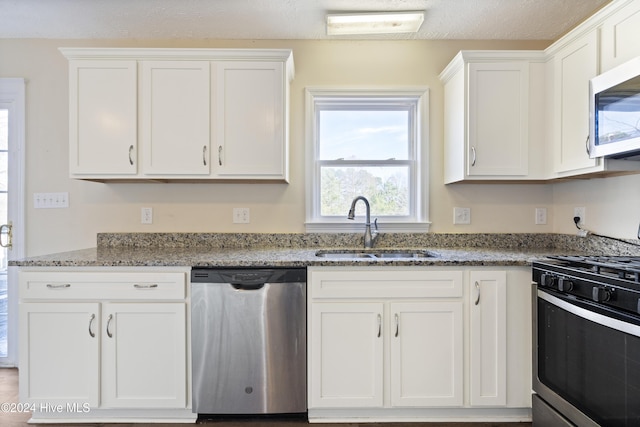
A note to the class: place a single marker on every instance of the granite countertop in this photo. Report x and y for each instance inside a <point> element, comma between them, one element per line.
<point>299,250</point>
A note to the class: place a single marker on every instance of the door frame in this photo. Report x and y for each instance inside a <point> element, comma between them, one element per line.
<point>12,98</point>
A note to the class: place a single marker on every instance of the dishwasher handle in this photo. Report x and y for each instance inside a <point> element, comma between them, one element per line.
<point>247,286</point>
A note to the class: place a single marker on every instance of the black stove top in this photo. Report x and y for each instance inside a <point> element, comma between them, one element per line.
<point>611,281</point>
<point>621,267</point>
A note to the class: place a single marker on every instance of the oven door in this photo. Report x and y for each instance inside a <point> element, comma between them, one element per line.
<point>586,361</point>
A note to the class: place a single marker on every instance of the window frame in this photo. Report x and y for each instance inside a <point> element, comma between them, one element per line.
<point>418,98</point>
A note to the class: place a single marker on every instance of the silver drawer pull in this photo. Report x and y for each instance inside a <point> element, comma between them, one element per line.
<point>91,333</point>
<point>145,286</point>
<point>109,334</point>
<point>477,293</point>
<point>379,325</point>
<point>58,286</point>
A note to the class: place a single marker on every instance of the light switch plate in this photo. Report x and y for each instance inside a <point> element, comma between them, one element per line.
<point>50,200</point>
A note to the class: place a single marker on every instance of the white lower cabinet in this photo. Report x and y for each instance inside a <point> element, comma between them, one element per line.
<point>488,338</point>
<point>426,354</point>
<point>419,344</point>
<point>59,353</point>
<point>348,363</point>
<point>94,342</point>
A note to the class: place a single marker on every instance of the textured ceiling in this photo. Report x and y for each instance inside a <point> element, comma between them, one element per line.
<point>284,19</point>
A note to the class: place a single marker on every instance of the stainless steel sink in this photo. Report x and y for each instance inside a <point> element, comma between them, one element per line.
<point>382,254</point>
<point>343,254</point>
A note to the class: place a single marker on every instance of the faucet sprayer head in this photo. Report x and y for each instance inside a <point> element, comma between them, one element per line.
<point>352,212</point>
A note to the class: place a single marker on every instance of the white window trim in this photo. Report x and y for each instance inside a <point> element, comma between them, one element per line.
<point>420,223</point>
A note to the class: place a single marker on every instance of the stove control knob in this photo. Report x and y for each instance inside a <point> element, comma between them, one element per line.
<point>565,285</point>
<point>547,280</point>
<point>600,294</point>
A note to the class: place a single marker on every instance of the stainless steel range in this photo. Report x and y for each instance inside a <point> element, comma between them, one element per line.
<point>586,341</point>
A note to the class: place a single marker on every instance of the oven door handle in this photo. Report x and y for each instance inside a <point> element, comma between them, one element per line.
<point>598,318</point>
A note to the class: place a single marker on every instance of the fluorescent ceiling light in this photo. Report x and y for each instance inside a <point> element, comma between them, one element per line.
<point>374,23</point>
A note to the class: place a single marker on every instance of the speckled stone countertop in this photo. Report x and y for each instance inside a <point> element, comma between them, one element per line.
<point>299,250</point>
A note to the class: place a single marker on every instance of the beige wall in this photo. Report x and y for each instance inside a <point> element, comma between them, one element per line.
<point>96,207</point>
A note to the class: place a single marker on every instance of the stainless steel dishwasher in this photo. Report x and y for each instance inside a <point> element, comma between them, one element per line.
<point>248,330</point>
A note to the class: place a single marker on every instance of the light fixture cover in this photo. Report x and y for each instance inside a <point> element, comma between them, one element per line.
<point>374,23</point>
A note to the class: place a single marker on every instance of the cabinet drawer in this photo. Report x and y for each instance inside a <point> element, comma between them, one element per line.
<point>102,285</point>
<point>374,283</point>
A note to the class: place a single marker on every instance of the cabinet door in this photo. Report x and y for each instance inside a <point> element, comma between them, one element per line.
<point>574,66</point>
<point>250,120</point>
<point>175,117</point>
<point>102,118</point>
<point>488,338</point>
<point>619,36</point>
<point>144,355</point>
<point>498,133</point>
<point>59,353</point>
<point>345,356</point>
<point>426,354</point>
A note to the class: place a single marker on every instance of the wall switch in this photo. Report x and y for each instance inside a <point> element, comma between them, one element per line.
<point>50,200</point>
<point>541,216</point>
<point>462,215</point>
<point>581,213</point>
<point>146,216</point>
<point>241,215</point>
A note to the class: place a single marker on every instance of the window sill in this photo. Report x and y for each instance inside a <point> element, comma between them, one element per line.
<point>358,226</point>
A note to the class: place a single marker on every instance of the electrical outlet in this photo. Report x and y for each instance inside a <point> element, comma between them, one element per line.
<point>580,212</point>
<point>241,215</point>
<point>462,215</point>
<point>541,216</point>
<point>146,216</point>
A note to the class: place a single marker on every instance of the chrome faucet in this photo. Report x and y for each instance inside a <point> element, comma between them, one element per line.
<point>369,237</point>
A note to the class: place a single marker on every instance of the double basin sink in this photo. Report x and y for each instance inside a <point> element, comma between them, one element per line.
<point>373,254</point>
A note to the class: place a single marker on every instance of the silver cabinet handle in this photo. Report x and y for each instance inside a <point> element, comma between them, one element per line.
<point>379,325</point>
<point>204,155</point>
<point>477,293</point>
<point>109,334</point>
<point>586,144</point>
<point>130,158</point>
<point>397,320</point>
<point>145,286</point>
<point>58,286</point>
<point>8,230</point>
<point>91,319</point>
<point>220,155</point>
<point>473,156</point>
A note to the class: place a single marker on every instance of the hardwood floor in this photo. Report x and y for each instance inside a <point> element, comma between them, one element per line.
<point>9,394</point>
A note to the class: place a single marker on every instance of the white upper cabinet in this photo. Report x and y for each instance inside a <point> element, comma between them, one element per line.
<point>179,114</point>
<point>102,118</point>
<point>574,66</point>
<point>175,117</point>
<point>251,103</point>
<point>619,36</point>
<point>491,115</point>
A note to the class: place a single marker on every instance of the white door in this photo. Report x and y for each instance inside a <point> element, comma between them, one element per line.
<point>144,355</point>
<point>488,338</point>
<point>12,131</point>
<point>346,364</point>
<point>60,353</point>
<point>175,118</point>
<point>426,354</point>
<point>249,122</point>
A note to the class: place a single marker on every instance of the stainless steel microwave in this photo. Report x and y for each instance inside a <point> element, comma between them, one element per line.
<point>614,112</point>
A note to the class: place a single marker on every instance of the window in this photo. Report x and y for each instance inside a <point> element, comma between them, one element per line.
<point>369,143</point>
